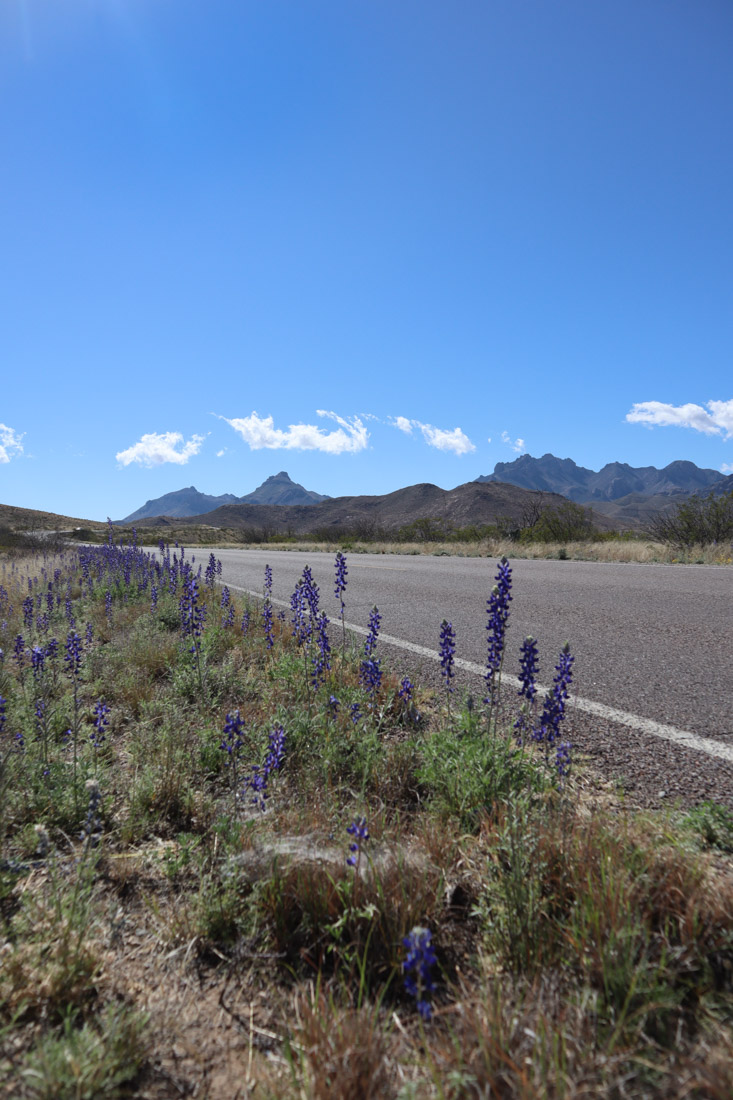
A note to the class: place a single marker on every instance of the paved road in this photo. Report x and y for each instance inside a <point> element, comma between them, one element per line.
<point>652,640</point>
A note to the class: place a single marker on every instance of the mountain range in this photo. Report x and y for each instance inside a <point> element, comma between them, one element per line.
<point>615,481</point>
<point>277,489</point>
<point>365,516</point>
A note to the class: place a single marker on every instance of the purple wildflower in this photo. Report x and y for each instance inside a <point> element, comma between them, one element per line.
<point>498,611</point>
<point>553,710</point>
<point>417,968</point>
<point>358,830</point>
<point>447,653</point>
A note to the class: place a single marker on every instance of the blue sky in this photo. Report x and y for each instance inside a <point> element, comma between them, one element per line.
<point>372,242</point>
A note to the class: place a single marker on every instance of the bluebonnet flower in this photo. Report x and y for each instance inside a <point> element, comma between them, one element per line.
<point>341,574</point>
<point>92,828</point>
<point>233,742</point>
<point>553,709</point>
<point>497,608</point>
<point>72,659</point>
<point>358,830</point>
<point>193,614</point>
<point>370,671</point>
<point>38,661</point>
<point>229,621</point>
<point>108,604</point>
<point>321,658</point>
<point>268,583</point>
<point>333,706</point>
<point>245,622</point>
<point>355,713</point>
<point>28,612</point>
<point>225,597</point>
<point>406,689</point>
<point>89,634</point>
<point>417,968</point>
<point>3,704</point>
<point>101,721</point>
<point>210,574</point>
<point>447,652</point>
<point>153,597</point>
<point>70,613</point>
<point>563,759</point>
<point>19,651</point>
<point>300,623</point>
<point>528,671</point>
<point>267,623</point>
<point>258,779</point>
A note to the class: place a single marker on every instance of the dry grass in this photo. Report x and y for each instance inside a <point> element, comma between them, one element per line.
<point>204,948</point>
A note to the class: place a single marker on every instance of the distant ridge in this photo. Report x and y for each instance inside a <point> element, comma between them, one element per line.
<point>277,489</point>
<point>471,503</point>
<point>616,480</point>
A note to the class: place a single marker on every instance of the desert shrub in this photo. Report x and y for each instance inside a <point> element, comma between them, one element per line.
<point>698,521</point>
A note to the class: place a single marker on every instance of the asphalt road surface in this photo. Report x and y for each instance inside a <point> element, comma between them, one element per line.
<point>652,641</point>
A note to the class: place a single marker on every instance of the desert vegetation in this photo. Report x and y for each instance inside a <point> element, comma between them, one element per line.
<point>241,855</point>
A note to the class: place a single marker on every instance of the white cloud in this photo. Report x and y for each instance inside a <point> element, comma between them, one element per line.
<point>441,438</point>
<point>158,447</point>
<point>221,453</point>
<point>10,443</point>
<point>717,420</point>
<point>517,445</point>
<point>259,432</point>
<point>727,468</point>
<point>445,440</point>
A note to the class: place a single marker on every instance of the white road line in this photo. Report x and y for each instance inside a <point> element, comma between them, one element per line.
<point>588,706</point>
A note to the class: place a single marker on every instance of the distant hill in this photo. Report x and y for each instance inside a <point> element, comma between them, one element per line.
<point>367,515</point>
<point>29,519</point>
<point>182,503</point>
<point>279,489</point>
<point>179,504</point>
<point>614,481</point>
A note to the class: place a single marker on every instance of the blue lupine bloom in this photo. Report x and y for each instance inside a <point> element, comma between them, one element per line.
<point>333,706</point>
<point>447,652</point>
<point>406,689</point>
<point>210,575</point>
<point>70,613</point>
<point>497,608</point>
<point>245,622</point>
<point>417,968</point>
<point>267,623</point>
<point>300,623</point>
<point>563,759</point>
<point>89,634</point>
<point>38,660</point>
<point>72,659</point>
<point>358,830</point>
<point>355,713</point>
<point>375,620</point>
<point>233,741</point>
<point>101,721</point>
<point>553,710</point>
<point>28,612</point>
<point>258,779</point>
<point>321,658</point>
<point>225,597</point>
<point>108,604</point>
<point>528,671</point>
<point>92,827</point>
<point>19,650</point>
<point>341,574</point>
<point>3,704</point>
<point>268,582</point>
<point>370,671</point>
